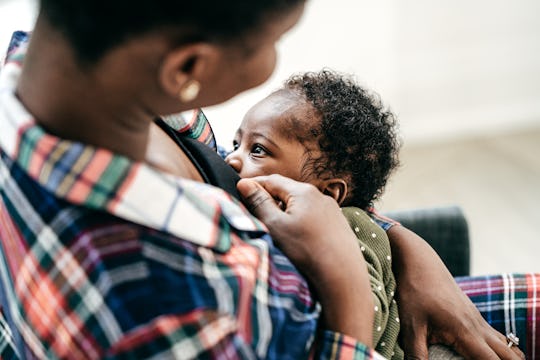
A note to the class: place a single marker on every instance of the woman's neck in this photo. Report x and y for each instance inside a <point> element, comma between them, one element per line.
<point>98,108</point>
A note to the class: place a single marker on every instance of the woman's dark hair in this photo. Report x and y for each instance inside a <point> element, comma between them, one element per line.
<point>95,26</point>
<point>356,134</point>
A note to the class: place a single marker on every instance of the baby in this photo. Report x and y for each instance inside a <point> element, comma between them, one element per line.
<point>322,128</point>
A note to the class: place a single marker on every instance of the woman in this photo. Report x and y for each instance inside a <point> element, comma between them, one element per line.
<point>105,254</point>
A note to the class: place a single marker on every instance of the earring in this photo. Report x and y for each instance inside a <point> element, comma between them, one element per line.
<point>189,91</point>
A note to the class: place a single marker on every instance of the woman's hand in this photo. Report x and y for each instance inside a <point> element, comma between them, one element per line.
<point>433,309</point>
<point>311,230</point>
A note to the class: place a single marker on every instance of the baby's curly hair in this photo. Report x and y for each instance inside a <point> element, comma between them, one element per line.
<point>356,134</point>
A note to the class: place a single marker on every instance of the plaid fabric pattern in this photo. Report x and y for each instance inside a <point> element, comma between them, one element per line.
<point>193,124</point>
<point>7,347</point>
<point>102,257</point>
<point>18,38</point>
<point>509,303</point>
<point>345,346</point>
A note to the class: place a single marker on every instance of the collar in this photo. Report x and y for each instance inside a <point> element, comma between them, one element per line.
<point>192,124</point>
<point>99,179</point>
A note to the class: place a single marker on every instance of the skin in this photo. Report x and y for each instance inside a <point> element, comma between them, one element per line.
<point>263,144</point>
<point>446,316</point>
<point>116,100</point>
<point>262,147</point>
<point>112,104</point>
<point>313,248</point>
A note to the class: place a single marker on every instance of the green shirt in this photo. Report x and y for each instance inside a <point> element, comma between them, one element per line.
<point>375,247</point>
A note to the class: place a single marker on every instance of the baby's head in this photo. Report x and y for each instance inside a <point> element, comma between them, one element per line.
<point>323,129</point>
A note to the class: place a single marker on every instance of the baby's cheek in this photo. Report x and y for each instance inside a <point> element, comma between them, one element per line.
<point>264,167</point>
<point>249,172</point>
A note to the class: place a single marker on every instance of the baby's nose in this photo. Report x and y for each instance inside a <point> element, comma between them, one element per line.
<point>234,162</point>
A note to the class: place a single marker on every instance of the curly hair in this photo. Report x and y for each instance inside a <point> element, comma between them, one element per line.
<point>356,134</point>
<point>95,26</point>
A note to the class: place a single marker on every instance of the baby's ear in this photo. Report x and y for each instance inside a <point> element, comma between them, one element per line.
<point>336,188</point>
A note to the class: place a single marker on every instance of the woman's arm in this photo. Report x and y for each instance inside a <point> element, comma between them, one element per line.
<point>433,309</point>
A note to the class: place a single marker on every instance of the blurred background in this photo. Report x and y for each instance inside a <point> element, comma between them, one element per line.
<point>464,80</point>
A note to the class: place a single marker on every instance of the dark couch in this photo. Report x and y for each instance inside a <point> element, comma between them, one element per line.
<point>445,229</point>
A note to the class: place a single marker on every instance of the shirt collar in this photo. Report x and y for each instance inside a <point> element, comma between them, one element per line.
<point>99,179</point>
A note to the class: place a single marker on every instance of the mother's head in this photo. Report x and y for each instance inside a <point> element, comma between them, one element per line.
<point>200,52</point>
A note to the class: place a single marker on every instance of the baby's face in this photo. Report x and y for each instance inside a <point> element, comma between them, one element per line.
<point>266,142</point>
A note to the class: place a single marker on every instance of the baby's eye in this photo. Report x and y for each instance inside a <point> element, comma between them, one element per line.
<point>258,149</point>
<point>235,145</point>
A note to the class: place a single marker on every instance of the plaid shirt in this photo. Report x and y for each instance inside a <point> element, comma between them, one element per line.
<point>509,303</point>
<point>103,257</point>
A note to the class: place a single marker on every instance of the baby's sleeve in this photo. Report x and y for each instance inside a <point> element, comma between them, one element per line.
<point>375,247</point>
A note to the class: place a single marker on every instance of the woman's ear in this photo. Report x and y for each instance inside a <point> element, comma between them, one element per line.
<point>186,65</point>
<point>336,188</point>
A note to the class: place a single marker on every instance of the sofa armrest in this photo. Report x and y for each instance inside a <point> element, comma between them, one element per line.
<point>445,229</point>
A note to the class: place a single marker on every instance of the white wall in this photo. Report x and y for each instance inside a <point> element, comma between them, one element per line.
<point>447,68</point>
<point>467,66</point>
<point>346,35</point>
